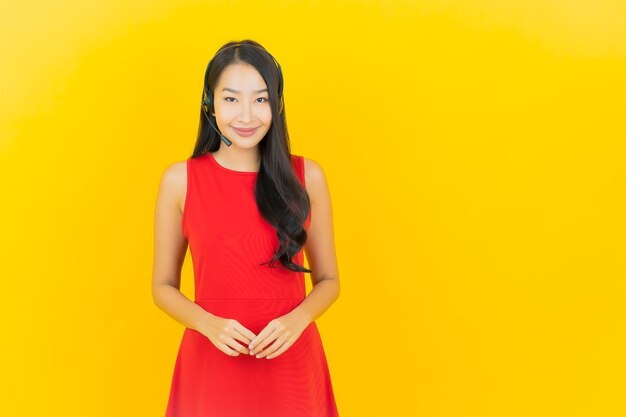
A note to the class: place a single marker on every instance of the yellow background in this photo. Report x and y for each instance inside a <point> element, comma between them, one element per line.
<point>475,153</point>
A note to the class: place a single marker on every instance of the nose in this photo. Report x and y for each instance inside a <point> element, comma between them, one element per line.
<point>245,116</point>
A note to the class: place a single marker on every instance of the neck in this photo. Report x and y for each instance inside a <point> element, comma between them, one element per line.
<point>239,159</point>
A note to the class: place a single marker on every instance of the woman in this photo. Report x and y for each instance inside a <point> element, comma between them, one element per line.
<point>247,208</point>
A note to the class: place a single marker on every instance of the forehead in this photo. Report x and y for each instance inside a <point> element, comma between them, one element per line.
<point>241,77</point>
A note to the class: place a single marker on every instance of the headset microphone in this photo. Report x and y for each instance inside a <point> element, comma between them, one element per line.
<point>227,141</point>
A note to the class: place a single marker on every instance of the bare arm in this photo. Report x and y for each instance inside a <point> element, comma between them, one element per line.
<point>320,246</point>
<point>170,247</point>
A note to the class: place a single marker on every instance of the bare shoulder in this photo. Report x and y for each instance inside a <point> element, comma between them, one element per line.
<point>174,182</point>
<point>315,179</point>
<point>313,172</point>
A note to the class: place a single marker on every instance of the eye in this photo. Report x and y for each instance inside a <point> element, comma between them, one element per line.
<point>226,99</point>
<point>262,98</point>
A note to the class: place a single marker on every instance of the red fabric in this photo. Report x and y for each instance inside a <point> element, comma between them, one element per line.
<point>228,239</point>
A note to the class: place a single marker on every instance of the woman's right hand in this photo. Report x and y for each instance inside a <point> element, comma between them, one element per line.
<point>224,333</point>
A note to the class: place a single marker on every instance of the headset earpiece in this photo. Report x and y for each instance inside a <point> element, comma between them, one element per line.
<point>206,101</point>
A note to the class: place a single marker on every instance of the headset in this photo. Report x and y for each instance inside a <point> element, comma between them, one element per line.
<point>207,96</point>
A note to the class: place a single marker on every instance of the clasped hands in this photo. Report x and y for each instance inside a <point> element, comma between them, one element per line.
<point>282,332</point>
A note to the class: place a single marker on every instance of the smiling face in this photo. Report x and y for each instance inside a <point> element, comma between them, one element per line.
<point>242,108</point>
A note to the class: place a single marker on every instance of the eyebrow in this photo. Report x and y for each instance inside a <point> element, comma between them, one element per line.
<point>237,92</point>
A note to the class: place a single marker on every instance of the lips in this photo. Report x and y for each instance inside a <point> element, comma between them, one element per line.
<point>245,132</point>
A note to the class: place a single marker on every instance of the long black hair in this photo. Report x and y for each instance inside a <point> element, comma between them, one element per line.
<point>280,197</point>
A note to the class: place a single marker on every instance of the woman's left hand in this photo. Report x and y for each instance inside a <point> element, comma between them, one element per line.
<point>283,331</point>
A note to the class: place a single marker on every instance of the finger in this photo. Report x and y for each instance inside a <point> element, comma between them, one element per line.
<point>245,332</point>
<point>238,332</point>
<point>233,344</point>
<point>265,342</point>
<point>241,335</point>
<point>283,348</point>
<point>249,334</point>
<point>226,349</point>
<point>256,342</point>
<point>275,346</point>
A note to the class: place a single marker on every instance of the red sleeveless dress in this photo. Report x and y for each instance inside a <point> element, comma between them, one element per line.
<point>228,239</point>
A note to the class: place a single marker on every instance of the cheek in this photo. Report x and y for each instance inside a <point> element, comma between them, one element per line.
<point>265,114</point>
<point>226,113</point>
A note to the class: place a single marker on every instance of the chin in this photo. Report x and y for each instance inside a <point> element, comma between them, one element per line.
<point>245,144</point>
<point>249,142</point>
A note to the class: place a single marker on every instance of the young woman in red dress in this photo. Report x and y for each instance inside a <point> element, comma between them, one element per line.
<point>248,210</point>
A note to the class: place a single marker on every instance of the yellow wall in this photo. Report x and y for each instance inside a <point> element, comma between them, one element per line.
<point>475,153</point>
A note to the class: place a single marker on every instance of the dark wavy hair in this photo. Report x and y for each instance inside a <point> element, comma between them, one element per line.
<point>280,197</point>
